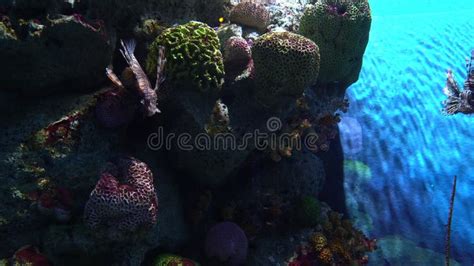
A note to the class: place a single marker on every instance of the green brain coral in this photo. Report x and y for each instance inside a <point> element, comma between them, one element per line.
<point>308,211</point>
<point>341,30</point>
<point>285,65</point>
<point>192,54</point>
<point>173,260</point>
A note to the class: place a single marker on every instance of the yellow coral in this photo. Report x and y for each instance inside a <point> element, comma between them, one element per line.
<point>337,247</point>
<point>319,241</point>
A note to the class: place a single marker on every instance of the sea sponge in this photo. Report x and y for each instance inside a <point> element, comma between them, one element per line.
<point>341,30</point>
<point>124,199</point>
<point>285,65</point>
<point>227,242</point>
<point>308,211</point>
<point>193,56</point>
<point>250,14</point>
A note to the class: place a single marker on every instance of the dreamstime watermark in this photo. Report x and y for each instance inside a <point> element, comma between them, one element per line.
<point>271,139</point>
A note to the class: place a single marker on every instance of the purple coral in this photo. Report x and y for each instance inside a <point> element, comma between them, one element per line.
<point>113,110</point>
<point>124,199</point>
<point>227,242</point>
<point>237,55</point>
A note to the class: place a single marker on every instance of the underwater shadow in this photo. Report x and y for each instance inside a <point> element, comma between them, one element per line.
<point>333,190</point>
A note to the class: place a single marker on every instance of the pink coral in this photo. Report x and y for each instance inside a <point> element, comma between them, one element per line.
<point>250,14</point>
<point>124,199</point>
<point>237,55</point>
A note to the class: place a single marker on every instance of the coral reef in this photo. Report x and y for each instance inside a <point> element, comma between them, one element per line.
<point>341,30</point>
<point>338,243</point>
<point>235,193</point>
<point>250,14</point>
<point>193,57</point>
<point>226,31</point>
<point>227,242</point>
<point>299,175</point>
<point>123,206</point>
<point>285,65</point>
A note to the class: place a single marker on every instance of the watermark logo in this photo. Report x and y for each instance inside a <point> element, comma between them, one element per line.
<point>270,139</point>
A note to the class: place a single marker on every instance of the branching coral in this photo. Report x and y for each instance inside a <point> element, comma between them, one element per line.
<point>124,199</point>
<point>193,57</point>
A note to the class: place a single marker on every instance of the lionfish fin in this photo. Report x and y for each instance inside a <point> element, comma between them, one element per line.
<point>160,66</point>
<point>112,77</point>
<point>452,87</point>
<point>128,48</point>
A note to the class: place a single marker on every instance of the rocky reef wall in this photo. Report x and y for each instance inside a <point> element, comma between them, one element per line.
<point>224,152</point>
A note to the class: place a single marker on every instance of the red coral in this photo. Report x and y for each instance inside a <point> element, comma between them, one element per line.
<point>124,199</point>
<point>29,255</point>
<point>237,56</point>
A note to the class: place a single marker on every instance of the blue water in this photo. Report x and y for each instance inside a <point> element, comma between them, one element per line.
<point>398,185</point>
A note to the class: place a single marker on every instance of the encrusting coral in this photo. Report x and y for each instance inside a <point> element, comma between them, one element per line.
<point>341,30</point>
<point>250,14</point>
<point>124,199</point>
<point>285,65</point>
<point>193,57</point>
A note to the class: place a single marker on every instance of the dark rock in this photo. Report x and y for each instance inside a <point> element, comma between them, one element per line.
<point>65,55</point>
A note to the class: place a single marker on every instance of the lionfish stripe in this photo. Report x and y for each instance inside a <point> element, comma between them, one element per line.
<point>160,67</point>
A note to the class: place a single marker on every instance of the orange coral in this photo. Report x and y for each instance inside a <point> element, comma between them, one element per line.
<point>325,256</point>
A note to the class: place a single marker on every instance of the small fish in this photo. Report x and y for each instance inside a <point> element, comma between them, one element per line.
<point>148,95</point>
<point>460,101</point>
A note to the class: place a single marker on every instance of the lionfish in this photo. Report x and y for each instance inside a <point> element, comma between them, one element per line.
<point>460,101</point>
<point>148,95</point>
